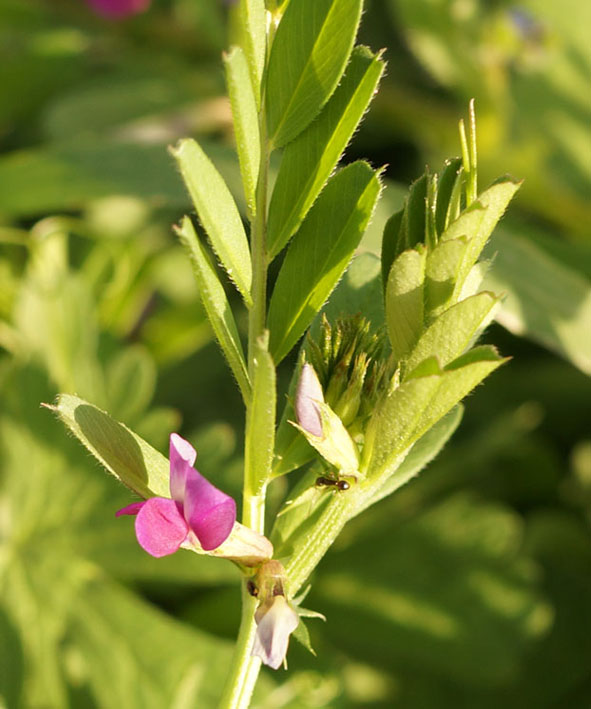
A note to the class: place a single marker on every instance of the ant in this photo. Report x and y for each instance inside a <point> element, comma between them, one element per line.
<point>341,485</point>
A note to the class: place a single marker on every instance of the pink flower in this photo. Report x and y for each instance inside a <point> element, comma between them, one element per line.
<point>118,8</point>
<point>197,509</point>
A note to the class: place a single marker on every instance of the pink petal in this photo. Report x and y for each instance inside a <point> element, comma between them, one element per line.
<point>182,456</point>
<point>308,392</point>
<point>159,527</point>
<point>209,512</point>
<point>118,8</point>
<point>132,509</point>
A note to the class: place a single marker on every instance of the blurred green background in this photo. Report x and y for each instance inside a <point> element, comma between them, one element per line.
<point>472,586</point>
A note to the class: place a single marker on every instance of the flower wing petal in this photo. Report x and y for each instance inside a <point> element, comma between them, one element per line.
<point>209,512</point>
<point>182,456</point>
<point>132,509</point>
<point>159,527</point>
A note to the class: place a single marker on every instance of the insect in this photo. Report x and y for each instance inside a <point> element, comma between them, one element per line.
<point>329,482</point>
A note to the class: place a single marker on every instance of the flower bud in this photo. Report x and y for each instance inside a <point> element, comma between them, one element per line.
<point>321,426</point>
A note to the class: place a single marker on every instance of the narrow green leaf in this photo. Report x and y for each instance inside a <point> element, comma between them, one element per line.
<point>449,335</point>
<point>122,452</point>
<point>309,160</point>
<point>391,245</point>
<point>411,409</point>
<point>216,305</point>
<point>261,418</point>
<point>413,219</point>
<point>253,20</point>
<point>445,188</point>
<point>477,222</point>
<point>312,46</point>
<point>441,274</point>
<point>320,253</point>
<point>218,213</point>
<point>246,125</point>
<point>404,301</point>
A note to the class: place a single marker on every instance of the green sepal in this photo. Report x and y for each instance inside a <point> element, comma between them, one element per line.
<point>302,635</point>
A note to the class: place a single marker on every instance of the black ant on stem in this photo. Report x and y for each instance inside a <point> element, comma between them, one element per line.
<point>341,485</point>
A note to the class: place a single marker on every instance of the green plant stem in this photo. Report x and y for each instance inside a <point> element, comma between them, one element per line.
<point>244,669</point>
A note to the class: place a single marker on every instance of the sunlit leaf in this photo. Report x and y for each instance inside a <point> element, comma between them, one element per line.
<point>309,54</point>
<point>216,306</point>
<point>218,213</point>
<point>319,254</point>
<point>246,124</point>
<point>308,161</point>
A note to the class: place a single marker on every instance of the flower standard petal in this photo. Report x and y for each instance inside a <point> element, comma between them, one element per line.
<point>182,456</point>
<point>160,528</point>
<point>209,512</point>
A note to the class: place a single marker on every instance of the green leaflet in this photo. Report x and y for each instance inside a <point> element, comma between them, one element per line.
<point>450,175</point>
<point>218,213</point>
<point>216,306</point>
<point>308,161</point>
<point>421,454</point>
<point>253,22</point>
<point>319,254</point>
<point>441,274</point>
<point>477,223</point>
<point>404,301</point>
<point>418,403</point>
<point>246,122</point>
<point>449,335</point>
<point>312,46</point>
<point>390,245</point>
<point>122,452</point>
<point>261,418</point>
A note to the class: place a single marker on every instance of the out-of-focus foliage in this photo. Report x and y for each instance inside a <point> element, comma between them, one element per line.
<point>470,587</point>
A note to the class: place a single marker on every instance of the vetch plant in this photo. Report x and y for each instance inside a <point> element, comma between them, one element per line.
<point>371,402</point>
